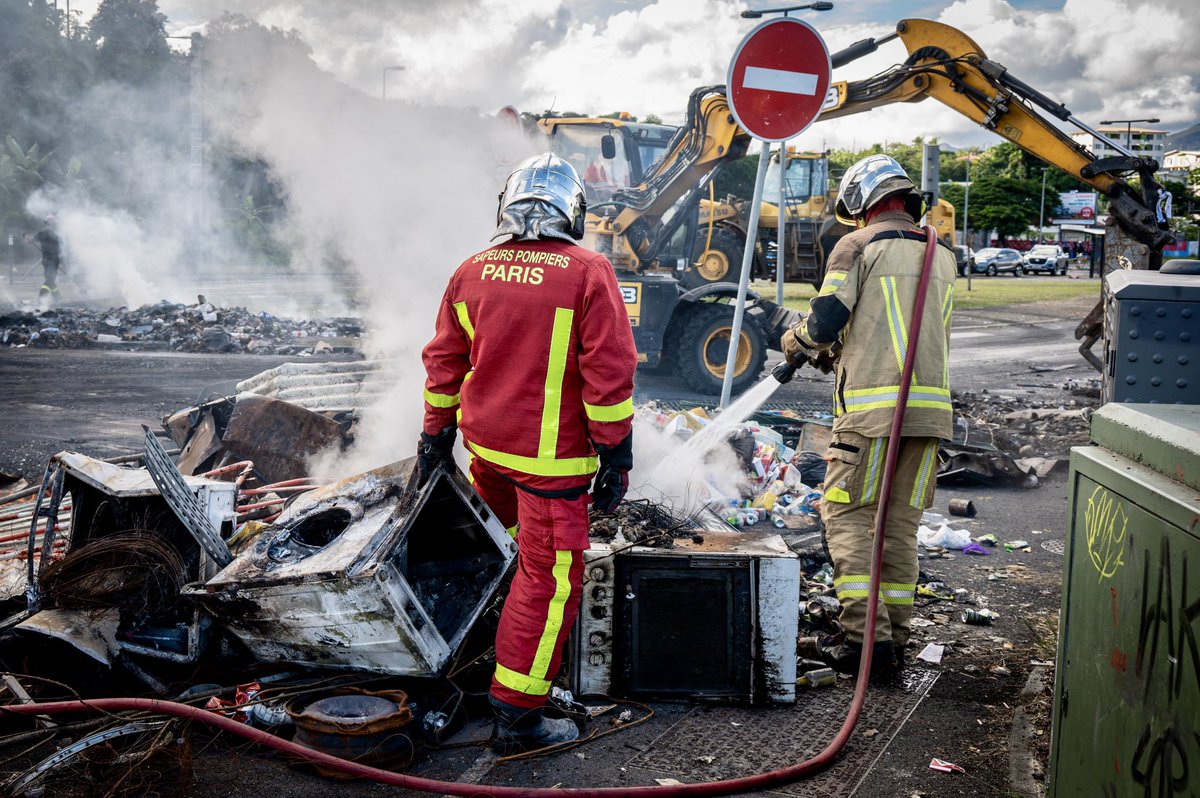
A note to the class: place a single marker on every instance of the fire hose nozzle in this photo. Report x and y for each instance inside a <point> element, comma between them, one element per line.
<point>784,372</point>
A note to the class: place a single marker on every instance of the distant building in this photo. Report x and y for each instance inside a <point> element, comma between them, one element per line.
<point>1139,140</point>
<point>1179,166</point>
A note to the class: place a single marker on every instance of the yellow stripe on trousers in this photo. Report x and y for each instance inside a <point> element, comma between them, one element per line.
<point>535,682</point>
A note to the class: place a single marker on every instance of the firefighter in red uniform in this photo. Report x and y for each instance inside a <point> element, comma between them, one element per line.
<point>533,360</point>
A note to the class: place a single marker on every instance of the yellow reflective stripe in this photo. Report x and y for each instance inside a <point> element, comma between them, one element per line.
<point>862,399</point>
<point>554,614</point>
<point>947,309</point>
<point>901,586</point>
<point>895,320</point>
<point>464,320</point>
<point>833,281</point>
<point>618,412</point>
<point>852,586</point>
<point>560,339</point>
<point>872,475</point>
<point>520,682</point>
<point>837,495</point>
<point>948,304</point>
<point>896,599</point>
<point>542,467</point>
<point>512,530</point>
<point>441,399</point>
<point>918,492</point>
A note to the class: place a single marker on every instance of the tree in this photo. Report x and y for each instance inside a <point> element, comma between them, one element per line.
<point>653,119</point>
<point>131,40</point>
<point>736,178</point>
<point>1002,204</point>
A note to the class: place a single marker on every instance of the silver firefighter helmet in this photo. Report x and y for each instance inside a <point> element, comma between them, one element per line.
<point>868,181</point>
<point>548,178</point>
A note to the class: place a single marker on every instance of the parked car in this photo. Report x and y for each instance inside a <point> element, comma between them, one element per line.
<point>993,260</point>
<point>1046,258</point>
<point>965,257</point>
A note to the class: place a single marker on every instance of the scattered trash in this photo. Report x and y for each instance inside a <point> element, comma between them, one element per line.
<point>173,327</point>
<point>870,733</point>
<point>817,678</point>
<point>963,507</point>
<point>1013,545</point>
<point>1000,670</point>
<point>988,540</point>
<point>976,549</point>
<point>982,617</point>
<point>932,653</point>
<point>944,536</point>
<point>945,767</point>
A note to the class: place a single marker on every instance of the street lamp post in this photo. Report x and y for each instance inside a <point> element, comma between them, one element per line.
<point>1128,127</point>
<point>385,71</point>
<point>750,13</point>
<point>1042,207</point>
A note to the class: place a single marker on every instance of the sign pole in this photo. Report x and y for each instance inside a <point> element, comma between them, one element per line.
<point>777,82</point>
<point>780,249</point>
<point>739,310</point>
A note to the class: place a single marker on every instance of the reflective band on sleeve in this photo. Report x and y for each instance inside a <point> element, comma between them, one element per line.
<point>554,614</point>
<point>441,399</point>
<point>520,682</point>
<point>542,467</point>
<point>833,281</point>
<point>872,473</point>
<point>852,586</point>
<point>837,496</point>
<point>464,320</point>
<point>560,340</point>
<point>923,474</point>
<point>618,412</point>
<point>895,320</point>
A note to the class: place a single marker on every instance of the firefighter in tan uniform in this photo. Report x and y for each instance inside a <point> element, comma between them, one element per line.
<point>861,318</point>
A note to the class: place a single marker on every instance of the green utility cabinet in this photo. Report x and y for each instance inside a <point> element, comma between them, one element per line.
<point>1127,688</point>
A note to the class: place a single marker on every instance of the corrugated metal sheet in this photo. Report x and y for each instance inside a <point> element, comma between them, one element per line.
<point>324,386</point>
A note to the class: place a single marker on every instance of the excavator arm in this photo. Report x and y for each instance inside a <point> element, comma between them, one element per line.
<point>944,63</point>
<point>635,222</point>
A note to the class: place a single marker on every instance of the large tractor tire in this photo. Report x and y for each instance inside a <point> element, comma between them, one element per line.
<point>701,345</point>
<point>720,262</point>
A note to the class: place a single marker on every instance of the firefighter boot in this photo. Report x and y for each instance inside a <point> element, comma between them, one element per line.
<point>845,658</point>
<point>522,729</point>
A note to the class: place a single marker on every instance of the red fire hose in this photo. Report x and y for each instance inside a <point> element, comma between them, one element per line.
<point>760,781</point>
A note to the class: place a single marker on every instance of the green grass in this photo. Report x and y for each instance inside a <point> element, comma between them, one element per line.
<point>986,292</point>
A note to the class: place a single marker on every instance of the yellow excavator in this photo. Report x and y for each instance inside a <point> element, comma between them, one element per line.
<point>649,228</point>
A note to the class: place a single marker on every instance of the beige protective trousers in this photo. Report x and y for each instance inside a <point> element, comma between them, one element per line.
<point>852,485</point>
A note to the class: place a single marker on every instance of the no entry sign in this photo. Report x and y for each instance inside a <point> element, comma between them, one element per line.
<point>778,79</point>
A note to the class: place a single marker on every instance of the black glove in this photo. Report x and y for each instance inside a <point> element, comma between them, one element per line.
<point>612,480</point>
<point>434,452</point>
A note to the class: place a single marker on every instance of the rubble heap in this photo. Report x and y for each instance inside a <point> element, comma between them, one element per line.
<point>202,327</point>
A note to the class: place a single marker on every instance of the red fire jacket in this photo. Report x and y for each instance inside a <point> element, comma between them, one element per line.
<point>534,356</point>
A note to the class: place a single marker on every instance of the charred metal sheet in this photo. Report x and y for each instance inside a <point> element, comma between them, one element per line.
<point>200,448</point>
<point>184,502</point>
<point>92,632</point>
<point>279,437</point>
<point>365,574</point>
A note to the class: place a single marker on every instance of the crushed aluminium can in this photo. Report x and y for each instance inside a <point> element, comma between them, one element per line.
<point>822,677</point>
<point>982,617</point>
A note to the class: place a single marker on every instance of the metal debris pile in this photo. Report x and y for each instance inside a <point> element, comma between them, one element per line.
<point>202,327</point>
<point>640,522</point>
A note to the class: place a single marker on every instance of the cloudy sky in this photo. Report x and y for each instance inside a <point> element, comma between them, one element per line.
<point>1102,58</point>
